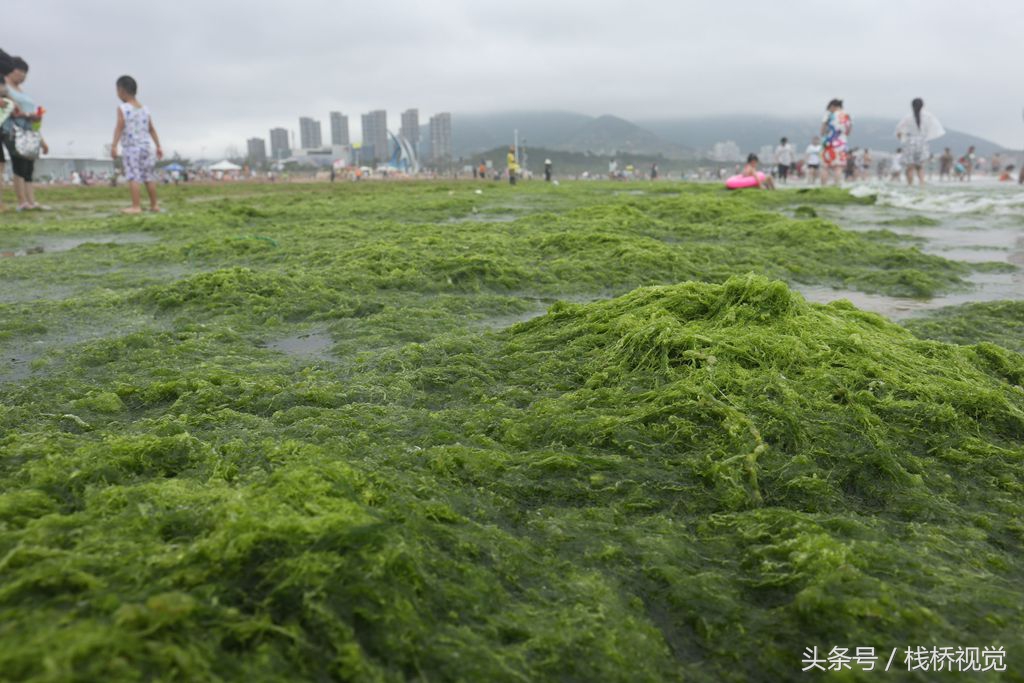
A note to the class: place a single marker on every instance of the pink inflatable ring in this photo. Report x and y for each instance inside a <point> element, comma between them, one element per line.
<point>739,182</point>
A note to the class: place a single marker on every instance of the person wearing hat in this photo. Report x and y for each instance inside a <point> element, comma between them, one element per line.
<point>547,170</point>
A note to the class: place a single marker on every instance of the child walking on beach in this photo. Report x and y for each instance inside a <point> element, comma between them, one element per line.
<point>133,130</point>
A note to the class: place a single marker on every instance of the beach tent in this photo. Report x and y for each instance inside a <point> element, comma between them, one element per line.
<point>225,166</point>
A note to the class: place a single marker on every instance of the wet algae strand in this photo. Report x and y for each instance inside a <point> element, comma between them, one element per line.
<point>688,482</point>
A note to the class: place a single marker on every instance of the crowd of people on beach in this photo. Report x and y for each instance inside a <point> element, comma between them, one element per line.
<point>829,158</point>
<point>826,159</point>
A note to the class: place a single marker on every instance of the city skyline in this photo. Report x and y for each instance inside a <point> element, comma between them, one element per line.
<point>441,137</point>
<point>280,148</point>
<point>309,133</point>
<point>375,135</point>
<point>339,129</point>
<point>410,128</point>
<point>374,128</point>
<point>256,150</point>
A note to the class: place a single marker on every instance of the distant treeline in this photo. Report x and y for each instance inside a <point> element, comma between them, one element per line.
<point>576,163</point>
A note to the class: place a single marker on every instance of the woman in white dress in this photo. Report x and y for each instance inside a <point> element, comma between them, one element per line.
<point>915,131</point>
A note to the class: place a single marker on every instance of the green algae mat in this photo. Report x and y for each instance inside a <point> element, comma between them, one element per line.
<point>392,432</point>
<point>999,322</point>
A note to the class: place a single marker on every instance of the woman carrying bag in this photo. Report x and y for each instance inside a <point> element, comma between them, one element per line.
<point>21,136</point>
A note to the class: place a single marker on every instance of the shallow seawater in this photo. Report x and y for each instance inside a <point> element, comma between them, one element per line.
<point>29,245</point>
<point>479,217</point>
<point>499,322</point>
<point>986,287</point>
<point>976,224</point>
<point>983,196</point>
<point>17,363</point>
<point>315,345</point>
<point>35,292</point>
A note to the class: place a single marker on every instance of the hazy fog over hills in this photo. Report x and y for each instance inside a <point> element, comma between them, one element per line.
<point>672,137</point>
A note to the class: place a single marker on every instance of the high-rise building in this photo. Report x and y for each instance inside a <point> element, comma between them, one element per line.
<point>410,129</point>
<point>279,147</point>
<point>257,150</point>
<point>375,134</point>
<point>441,137</point>
<point>309,133</point>
<point>339,128</point>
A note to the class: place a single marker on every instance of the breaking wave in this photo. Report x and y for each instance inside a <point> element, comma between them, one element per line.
<point>985,199</point>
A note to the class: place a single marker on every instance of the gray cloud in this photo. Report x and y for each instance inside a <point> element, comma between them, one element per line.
<point>215,73</point>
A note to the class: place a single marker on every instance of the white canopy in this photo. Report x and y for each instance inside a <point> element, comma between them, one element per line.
<point>225,166</point>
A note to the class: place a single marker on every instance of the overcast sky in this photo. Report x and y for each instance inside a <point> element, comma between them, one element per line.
<point>215,72</point>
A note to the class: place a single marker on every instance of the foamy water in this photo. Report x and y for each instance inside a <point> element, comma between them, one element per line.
<point>981,221</point>
<point>985,196</point>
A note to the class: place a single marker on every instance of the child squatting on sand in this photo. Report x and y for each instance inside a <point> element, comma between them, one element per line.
<point>133,130</point>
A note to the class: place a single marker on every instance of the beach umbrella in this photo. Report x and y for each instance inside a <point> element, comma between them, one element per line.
<point>174,167</point>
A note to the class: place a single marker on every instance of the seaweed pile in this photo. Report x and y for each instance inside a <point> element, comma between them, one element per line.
<point>997,322</point>
<point>687,482</point>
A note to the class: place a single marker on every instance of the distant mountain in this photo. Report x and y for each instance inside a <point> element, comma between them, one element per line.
<point>473,133</point>
<point>609,135</point>
<point>604,135</point>
<point>751,132</point>
<point>674,138</point>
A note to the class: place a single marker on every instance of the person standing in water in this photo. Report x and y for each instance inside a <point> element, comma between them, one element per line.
<point>946,164</point>
<point>812,160</point>
<point>914,132</point>
<point>835,128</point>
<point>784,159</point>
<point>896,165</point>
<point>969,160</point>
<point>997,164</point>
<point>850,169</point>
